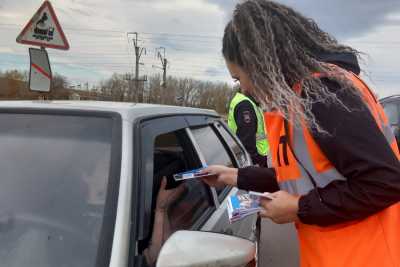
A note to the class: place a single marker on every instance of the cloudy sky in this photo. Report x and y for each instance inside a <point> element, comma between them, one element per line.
<point>190,31</point>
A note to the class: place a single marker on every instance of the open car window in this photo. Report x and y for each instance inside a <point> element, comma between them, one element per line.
<point>187,203</point>
<point>174,155</point>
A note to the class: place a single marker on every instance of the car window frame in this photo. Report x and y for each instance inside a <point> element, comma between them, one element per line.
<point>105,247</point>
<point>203,162</point>
<point>217,125</point>
<point>212,122</point>
<point>221,124</point>
<point>202,121</point>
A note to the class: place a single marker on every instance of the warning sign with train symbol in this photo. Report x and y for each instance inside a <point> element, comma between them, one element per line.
<point>44,30</point>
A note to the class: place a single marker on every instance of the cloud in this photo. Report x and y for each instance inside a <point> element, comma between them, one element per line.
<point>214,72</point>
<point>96,30</point>
<point>342,18</point>
<point>6,50</point>
<point>176,21</point>
<point>80,11</point>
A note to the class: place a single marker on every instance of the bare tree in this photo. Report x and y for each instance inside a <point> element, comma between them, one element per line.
<point>115,88</point>
<point>178,91</point>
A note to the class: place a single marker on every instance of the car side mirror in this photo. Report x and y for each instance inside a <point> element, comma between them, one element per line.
<point>202,249</point>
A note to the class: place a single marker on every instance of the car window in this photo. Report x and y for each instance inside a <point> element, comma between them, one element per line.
<point>212,149</point>
<point>185,204</point>
<point>392,111</point>
<point>236,149</point>
<point>170,158</point>
<point>53,188</point>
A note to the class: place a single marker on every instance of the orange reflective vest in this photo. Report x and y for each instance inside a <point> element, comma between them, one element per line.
<point>373,241</point>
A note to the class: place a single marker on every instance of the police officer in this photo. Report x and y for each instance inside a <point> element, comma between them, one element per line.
<point>246,120</point>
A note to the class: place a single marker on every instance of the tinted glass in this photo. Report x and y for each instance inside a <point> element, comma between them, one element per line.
<point>239,153</point>
<point>211,147</point>
<point>53,188</point>
<point>192,197</point>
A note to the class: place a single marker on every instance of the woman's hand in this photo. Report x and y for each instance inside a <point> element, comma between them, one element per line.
<point>166,197</point>
<point>282,208</point>
<point>221,177</point>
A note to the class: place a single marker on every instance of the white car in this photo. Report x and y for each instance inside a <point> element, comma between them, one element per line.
<point>391,105</point>
<point>79,182</point>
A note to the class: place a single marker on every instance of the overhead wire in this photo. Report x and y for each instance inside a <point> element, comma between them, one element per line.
<point>118,37</point>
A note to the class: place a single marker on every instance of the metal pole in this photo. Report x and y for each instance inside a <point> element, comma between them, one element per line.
<point>165,73</point>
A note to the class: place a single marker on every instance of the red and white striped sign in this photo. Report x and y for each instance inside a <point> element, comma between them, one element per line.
<point>40,72</point>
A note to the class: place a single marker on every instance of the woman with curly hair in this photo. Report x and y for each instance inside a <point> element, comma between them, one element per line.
<point>335,163</point>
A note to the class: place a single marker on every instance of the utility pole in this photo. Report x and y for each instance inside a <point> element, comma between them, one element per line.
<point>128,78</point>
<point>164,64</point>
<point>138,53</point>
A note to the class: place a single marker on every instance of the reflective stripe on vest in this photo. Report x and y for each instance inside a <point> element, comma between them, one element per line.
<point>261,140</point>
<point>301,183</point>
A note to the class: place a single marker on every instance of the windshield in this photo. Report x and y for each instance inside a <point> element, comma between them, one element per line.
<point>53,188</point>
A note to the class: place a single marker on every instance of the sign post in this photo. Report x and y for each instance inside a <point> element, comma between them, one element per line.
<point>42,30</point>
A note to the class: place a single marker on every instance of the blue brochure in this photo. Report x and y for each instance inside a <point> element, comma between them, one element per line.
<point>192,174</point>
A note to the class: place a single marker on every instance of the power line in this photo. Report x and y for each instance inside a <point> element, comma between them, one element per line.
<point>180,40</point>
<point>122,32</point>
<point>171,35</point>
<point>67,28</point>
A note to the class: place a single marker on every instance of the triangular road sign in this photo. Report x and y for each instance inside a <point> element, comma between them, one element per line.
<point>44,30</point>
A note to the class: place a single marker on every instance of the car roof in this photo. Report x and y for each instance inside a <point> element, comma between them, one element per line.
<point>393,98</point>
<point>128,111</point>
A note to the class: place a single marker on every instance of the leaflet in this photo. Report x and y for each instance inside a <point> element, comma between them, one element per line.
<point>261,195</point>
<point>243,205</point>
<point>192,174</point>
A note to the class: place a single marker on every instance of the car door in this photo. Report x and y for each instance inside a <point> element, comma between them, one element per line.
<point>217,146</point>
<point>162,148</point>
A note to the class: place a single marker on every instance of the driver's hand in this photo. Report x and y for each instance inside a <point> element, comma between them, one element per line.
<point>166,197</point>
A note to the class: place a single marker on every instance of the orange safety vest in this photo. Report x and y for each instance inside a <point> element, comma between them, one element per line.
<point>373,241</point>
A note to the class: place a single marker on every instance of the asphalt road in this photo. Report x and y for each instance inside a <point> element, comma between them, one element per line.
<point>278,247</point>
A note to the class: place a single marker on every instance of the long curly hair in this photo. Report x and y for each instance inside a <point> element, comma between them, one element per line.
<point>278,47</point>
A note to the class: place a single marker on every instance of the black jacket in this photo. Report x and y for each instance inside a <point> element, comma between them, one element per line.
<point>357,149</point>
<point>246,121</point>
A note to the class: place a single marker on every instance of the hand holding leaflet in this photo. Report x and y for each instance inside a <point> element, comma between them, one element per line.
<point>243,205</point>
<point>261,195</point>
<point>192,174</point>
